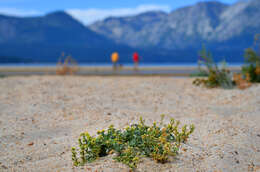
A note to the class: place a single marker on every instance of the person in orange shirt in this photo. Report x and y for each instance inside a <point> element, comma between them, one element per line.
<point>114,59</point>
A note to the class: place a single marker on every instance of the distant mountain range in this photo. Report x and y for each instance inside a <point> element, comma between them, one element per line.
<point>219,26</point>
<point>159,37</point>
<point>43,39</point>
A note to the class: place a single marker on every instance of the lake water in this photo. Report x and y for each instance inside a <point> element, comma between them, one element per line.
<point>109,64</point>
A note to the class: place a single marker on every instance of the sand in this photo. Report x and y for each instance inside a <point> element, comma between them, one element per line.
<point>41,118</point>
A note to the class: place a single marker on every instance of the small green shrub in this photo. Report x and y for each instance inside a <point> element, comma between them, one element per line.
<point>216,77</point>
<point>252,67</point>
<point>132,143</point>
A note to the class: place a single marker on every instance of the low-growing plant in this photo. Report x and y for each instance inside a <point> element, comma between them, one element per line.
<point>158,142</point>
<point>216,77</point>
<point>252,67</point>
<point>66,65</point>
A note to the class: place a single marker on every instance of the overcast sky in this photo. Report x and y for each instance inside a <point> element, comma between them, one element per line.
<point>89,11</point>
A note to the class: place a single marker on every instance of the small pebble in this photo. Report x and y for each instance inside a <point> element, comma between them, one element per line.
<point>30,144</point>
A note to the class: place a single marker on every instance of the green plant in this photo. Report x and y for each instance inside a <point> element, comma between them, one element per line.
<point>132,143</point>
<point>216,77</point>
<point>252,67</point>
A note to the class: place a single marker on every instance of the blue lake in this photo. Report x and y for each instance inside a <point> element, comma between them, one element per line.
<point>109,64</point>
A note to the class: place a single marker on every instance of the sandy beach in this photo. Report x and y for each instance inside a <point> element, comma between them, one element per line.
<point>41,118</point>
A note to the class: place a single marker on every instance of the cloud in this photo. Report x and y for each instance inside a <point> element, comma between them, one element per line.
<point>88,16</point>
<point>18,12</point>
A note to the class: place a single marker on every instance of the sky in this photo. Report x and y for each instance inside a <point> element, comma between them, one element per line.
<point>89,11</point>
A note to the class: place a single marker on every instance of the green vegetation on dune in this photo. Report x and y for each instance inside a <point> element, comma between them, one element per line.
<point>252,66</point>
<point>216,77</point>
<point>132,143</point>
<point>222,77</point>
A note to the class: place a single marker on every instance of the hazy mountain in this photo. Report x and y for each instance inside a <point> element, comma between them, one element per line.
<point>159,37</point>
<point>239,23</point>
<point>216,24</point>
<point>134,31</point>
<point>44,38</point>
<point>54,28</point>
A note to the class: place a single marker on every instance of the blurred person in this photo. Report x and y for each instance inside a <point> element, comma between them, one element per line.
<point>114,59</point>
<point>136,60</point>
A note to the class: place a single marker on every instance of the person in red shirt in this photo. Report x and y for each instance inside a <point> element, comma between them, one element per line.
<point>136,60</point>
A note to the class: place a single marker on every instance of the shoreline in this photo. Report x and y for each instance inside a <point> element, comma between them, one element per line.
<point>108,71</point>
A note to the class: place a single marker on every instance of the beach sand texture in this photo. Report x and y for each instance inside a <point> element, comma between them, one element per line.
<point>41,118</point>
